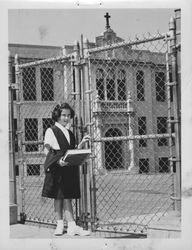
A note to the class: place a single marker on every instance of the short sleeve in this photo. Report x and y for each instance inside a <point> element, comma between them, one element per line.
<point>51,139</point>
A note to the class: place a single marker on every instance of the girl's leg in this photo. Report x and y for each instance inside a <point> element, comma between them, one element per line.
<point>73,229</point>
<point>58,204</point>
<point>68,210</point>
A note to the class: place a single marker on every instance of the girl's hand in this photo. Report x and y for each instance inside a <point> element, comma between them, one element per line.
<point>85,139</point>
<point>63,163</point>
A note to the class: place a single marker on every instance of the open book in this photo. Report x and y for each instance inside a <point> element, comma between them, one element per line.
<point>76,157</point>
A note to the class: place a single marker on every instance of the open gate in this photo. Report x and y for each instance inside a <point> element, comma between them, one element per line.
<point>131,112</point>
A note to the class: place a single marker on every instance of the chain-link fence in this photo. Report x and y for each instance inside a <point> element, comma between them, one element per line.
<point>123,95</point>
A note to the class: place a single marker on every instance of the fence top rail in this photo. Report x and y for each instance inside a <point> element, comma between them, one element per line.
<point>44,61</point>
<point>133,137</point>
<point>130,43</point>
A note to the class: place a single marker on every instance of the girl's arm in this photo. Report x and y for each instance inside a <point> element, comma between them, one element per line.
<point>50,142</point>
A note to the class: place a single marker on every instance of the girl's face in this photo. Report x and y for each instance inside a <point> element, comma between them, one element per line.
<point>65,117</point>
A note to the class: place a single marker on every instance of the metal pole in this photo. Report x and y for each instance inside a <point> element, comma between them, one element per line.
<point>78,110</point>
<point>12,173</point>
<point>169,104</point>
<point>176,100</point>
<point>92,182</point>
<point>46,61</point>
<point>124,44</point>
<point>133,137</point>
<point>84,113</point>
<point>20,143</point>
<point>178,57</point>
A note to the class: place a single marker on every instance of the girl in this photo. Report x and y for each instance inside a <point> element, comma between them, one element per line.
<point>61,180</point>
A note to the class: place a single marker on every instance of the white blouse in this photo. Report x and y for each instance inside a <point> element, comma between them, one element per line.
<point>51,139</point>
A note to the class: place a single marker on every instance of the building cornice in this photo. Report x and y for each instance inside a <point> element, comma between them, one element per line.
<point>33,46</point>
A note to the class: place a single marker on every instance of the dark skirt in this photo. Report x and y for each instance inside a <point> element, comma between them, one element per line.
<point>62,183</point>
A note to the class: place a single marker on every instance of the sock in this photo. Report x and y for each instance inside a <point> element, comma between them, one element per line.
<point>71,224</point>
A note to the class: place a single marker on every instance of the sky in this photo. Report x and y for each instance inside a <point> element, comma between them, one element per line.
<point>59,27</point>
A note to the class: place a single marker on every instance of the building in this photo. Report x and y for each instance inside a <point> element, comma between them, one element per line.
<point>118,76</point>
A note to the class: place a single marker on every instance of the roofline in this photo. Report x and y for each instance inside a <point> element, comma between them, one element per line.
<point>33,46</point>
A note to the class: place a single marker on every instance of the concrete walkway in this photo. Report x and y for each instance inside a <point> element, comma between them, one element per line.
<point>169,226</point>
<point>23,231</point>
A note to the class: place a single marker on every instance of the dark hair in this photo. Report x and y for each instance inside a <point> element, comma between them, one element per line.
<point>58,109</point>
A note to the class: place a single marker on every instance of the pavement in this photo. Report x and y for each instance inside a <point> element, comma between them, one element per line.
<point>169,226</point>
<point>35,230</point>
<point>24,231</point>
<point>21,231</point>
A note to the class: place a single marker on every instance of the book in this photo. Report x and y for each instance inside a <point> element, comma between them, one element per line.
<point>76,157</point>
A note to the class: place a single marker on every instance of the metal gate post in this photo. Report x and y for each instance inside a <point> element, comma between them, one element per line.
<point>77,98</point>
<point>178,61</point>
<point>20,144</point>
<point>79,93</point>
<point>92,182</point>
<point>12,174</point>
<point>168,85</point>
<point>84,130</point>
<point>176,109</point>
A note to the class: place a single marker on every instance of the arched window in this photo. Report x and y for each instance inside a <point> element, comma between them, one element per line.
<point>113,150</point>
<point>100,83</point>
<point>121,88</point>
<point>110,84</point>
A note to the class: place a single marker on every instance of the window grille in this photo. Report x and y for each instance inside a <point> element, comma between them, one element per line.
<point>160,86</point>
<point>33,169</point>
<point>29,84</point>
<point>142,129</point>
<point>162,129</point>
<point>140,85</point>
<point>110,85</point>
<point>47,122</point>
<point>121,87</point>
<point>100,83</point>
<point>47,90</point>
<point>143,165</point>
<point>163,165</point>
<point>31,134</point>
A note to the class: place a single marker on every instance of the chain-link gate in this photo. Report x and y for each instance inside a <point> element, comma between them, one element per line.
<point>130,104</point>
<point>123,95</point>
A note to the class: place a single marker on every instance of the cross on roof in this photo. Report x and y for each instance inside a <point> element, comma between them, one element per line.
<point>107,16</point>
